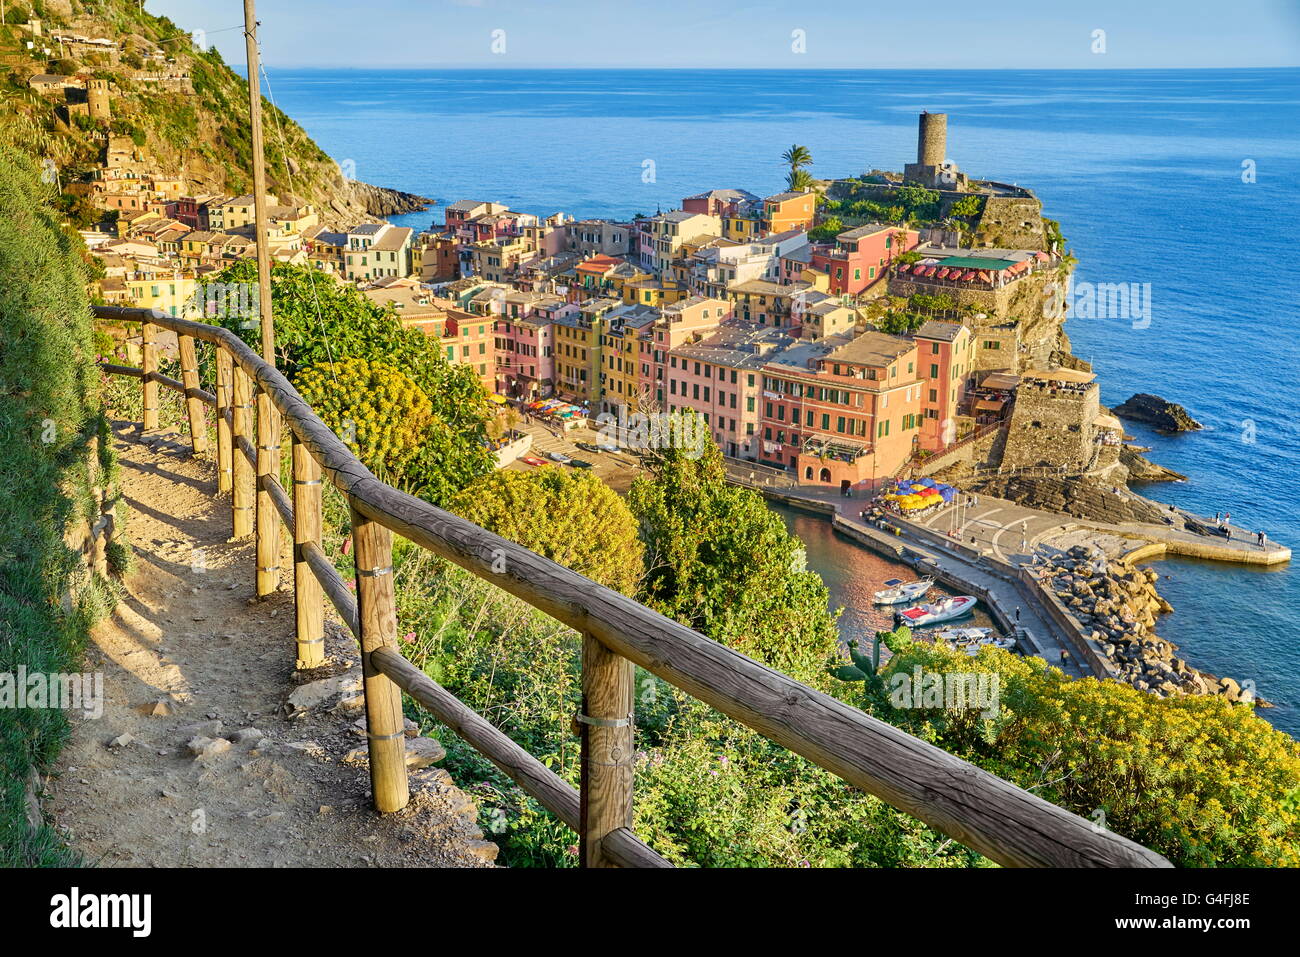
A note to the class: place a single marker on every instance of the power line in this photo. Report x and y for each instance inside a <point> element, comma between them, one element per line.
<point>288,172</point>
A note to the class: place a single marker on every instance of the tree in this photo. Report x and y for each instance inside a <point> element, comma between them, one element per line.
<point>318,321</point>
<point>379,412</point>
<point>799,181</point>
<point>1196,778</point>
<point>827,230</point>
<point>720,561</point>
<point>797,157</point>
<point>570,517</point>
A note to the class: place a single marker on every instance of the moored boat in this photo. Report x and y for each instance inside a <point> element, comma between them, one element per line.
<point>945,609</point>
<point>1006,644</point>
<point>963,636</point>
<point>897,591</point>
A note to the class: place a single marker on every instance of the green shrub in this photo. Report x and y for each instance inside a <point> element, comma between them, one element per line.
<point>49,413</point>
<point>378,411</point>
<point>572,518</point>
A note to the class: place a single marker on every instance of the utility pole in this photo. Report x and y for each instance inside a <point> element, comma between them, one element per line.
<point>268,419</point>
<point>259,184</point>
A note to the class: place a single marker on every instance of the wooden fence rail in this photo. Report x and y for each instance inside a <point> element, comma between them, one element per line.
<point>1005,823</point>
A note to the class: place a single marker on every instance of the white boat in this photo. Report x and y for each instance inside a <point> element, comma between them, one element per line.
<point>897,591</point>
<point>1006,644</point>
<point>963,636</point>
<point>945,609</point>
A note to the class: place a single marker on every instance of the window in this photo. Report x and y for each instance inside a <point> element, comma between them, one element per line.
<point>934,370</point>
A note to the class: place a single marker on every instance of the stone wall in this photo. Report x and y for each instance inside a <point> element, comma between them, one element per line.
<point>1011,222</point>
<point>1052,426</point>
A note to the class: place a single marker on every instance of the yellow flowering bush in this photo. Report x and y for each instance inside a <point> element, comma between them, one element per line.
<point>375,408</point>
<point>1199,779</point>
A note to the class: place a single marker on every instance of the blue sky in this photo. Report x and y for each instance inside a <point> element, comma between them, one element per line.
<point>864,34</point>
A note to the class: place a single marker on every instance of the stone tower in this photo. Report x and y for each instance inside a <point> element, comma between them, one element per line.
<point>97,96</point>
<point>932,140</point>
<point>932,168</point>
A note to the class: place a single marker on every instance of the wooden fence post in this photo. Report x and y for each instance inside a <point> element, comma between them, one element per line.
<point>242,497</point>
<point>377,615</point>
<point>224,376</point>
<point>606,725</point>
<point>149,368</point>
<point>193,404</point>
<point>308,599</point>
<point>268,519</point>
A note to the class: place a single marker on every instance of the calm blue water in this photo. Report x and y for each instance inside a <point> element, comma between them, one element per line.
<point>1142,168</point>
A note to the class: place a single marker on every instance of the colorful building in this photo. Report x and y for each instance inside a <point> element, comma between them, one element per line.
<point>786,211</point>
<point>945,360</point>
<point>859,258</point>
<point>842,411</point>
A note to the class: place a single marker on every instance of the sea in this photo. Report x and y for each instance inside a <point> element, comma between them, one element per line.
<point>1180,184</point>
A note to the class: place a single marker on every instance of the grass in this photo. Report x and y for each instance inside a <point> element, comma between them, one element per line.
<point>49,417</point>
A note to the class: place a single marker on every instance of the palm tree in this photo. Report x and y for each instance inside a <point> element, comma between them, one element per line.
<point>797,157</point>
<point>799,181</point>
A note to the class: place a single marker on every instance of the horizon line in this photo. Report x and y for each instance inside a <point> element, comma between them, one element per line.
<point>741,69</point>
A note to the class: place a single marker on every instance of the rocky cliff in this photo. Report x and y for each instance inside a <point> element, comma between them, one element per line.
<point>196,127</point>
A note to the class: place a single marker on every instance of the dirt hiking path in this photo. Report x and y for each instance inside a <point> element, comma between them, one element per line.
<point>211,751</point>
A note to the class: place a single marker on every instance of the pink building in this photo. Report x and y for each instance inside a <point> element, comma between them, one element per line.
<point>687,320</point>
<point>525,344</point>
<point>720,377</point>
<point>719,202</point>
<point>859,258</point>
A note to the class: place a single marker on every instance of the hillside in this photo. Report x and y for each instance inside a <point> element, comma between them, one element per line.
<point>184,109</point>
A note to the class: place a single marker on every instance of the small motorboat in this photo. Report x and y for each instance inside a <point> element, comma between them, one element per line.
<point>963,636</point>
<point>945,609</point>
<point>897,591</point>
<point>1006,644</point>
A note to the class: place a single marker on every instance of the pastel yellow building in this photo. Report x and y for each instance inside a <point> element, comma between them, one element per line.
<point>171,296</point>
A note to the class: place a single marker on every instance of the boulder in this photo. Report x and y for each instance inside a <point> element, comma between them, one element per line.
<point>1156,412</point>
<point>202,747</point>
<point>315,693</point>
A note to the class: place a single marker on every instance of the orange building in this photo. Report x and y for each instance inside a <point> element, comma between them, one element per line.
<point>841,411</point>
<point>945,360</point>
<point>468,340</point>
<point>786,211</point>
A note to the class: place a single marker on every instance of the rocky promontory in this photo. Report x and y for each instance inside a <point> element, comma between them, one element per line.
<point>1158,413</point>
<point>1117,606</point>
<point>382,201</point>
<point>1142,469</point>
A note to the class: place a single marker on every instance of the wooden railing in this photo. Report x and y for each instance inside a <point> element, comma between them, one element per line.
<point>994,817</point>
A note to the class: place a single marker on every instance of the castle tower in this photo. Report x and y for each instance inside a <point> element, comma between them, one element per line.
<point>97,95</point>
<point>932,141</point>
<point>932,168</point>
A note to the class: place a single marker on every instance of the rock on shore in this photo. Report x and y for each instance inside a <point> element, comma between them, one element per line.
<point>1159,414</point>
<point>1118,605</point>
<point>1142,469</point>
<point>382,201</point>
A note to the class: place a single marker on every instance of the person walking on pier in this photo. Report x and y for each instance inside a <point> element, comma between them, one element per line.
<point>1017,614</point>
<point>1262,539</point>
